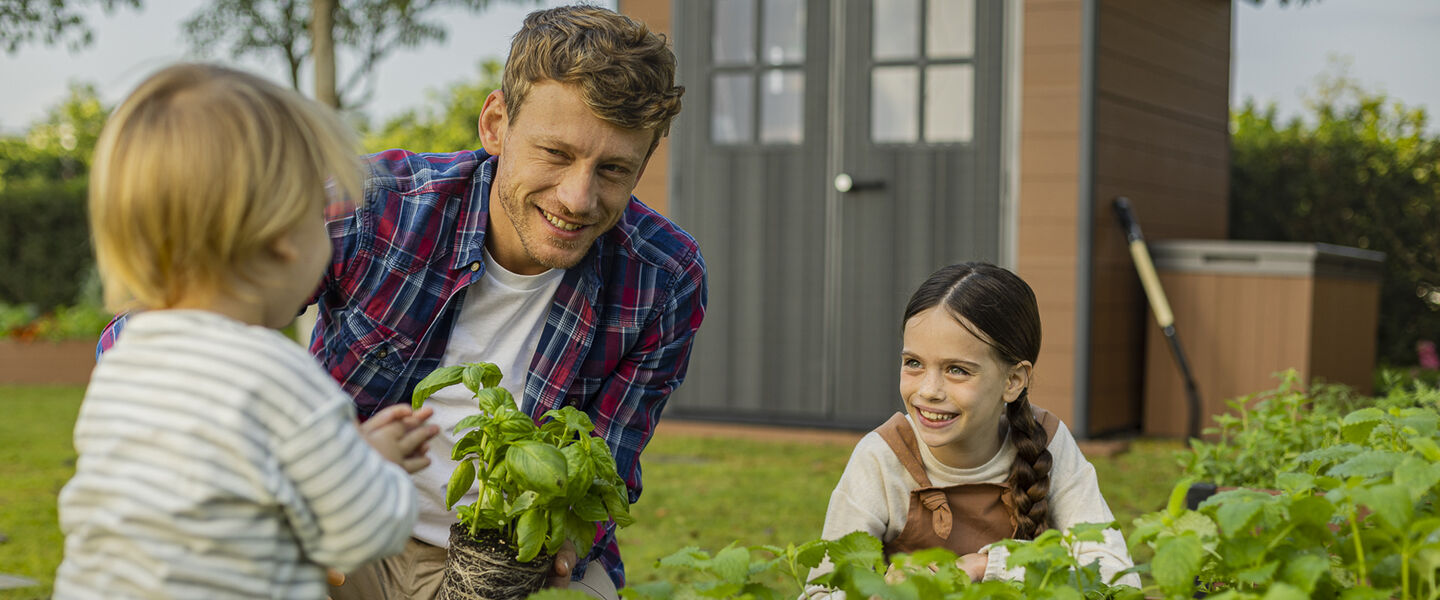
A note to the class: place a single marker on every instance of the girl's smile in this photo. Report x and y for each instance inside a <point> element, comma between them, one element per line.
<point>955,387</point>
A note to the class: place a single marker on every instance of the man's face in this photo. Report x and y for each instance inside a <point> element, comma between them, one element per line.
<point>564,177</point>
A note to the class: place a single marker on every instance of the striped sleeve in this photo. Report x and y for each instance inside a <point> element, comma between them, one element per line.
<point>349,505</point>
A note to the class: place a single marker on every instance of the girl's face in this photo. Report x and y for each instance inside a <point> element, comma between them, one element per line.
<point>955,388</point>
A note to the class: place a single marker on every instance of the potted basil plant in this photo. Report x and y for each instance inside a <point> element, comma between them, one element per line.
<point>539,485</point>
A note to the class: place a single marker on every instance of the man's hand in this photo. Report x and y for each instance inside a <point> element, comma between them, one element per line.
<point>564,565</point>
<point>401,435</point>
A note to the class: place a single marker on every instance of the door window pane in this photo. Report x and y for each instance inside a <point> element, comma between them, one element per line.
<point>784,39</point>
<point>950,29</point>
<point>897,29</point>
<point>732,112</point>
<point>782,111</point>
<point>949,103</point>
<point>894,106</point>
<point>734,39</point>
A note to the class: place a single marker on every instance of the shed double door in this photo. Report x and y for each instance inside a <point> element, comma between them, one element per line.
<point>830,155</point>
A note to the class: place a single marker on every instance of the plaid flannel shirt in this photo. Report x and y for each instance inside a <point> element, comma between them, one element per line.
<point>616,341</point>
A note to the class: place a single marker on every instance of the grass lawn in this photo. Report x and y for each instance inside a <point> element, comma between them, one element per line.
<point>700,490</point>
<point>36,459</point>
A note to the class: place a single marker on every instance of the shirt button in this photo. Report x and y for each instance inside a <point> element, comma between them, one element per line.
<point>475,266</point>
<point>384,352</point>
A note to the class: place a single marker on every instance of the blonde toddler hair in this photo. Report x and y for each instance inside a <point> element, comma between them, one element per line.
<point>201,168</point>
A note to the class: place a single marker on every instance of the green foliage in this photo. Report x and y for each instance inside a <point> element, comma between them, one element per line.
<point>77,322</point>
<point>44,239</point>
<point>859,569</point>
<point>57,148</point>
<point>365,31</point>
<point>50,22</point>
<point>1361,172</point>
<point>539,485</point>
<point>1288,430</point>
<point>447,123</point>
<point>1351,512</point>
<point>44,244</point>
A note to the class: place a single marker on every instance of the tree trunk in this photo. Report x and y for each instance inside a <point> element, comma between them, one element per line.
<point>322,47</point>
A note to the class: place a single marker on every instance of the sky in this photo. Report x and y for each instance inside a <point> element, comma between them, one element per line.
<point>1392,46</point>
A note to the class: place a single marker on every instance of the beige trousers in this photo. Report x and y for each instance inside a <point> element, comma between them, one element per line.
<point>416,573</point>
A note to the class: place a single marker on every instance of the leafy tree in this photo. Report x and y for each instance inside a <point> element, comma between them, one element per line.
<point>366,30</point>
<point>446,123</point>
<point>59,146</point>
<point>49,21</point>
<point>1361,172</point>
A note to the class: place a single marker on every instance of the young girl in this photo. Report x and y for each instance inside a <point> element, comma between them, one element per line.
<point>216,458</point>
<point>970,462</point>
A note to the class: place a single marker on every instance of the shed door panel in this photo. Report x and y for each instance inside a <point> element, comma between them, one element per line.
<point>807,283</point>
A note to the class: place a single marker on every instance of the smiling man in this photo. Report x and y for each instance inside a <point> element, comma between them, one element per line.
<point>531,254</point>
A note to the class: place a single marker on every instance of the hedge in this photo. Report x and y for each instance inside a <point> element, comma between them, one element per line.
<point>44,242</point>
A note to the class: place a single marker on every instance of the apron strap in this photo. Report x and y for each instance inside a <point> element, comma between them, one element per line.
<point>898,433</point>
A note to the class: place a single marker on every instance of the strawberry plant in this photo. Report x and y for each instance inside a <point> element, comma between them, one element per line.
<point>538,485</point>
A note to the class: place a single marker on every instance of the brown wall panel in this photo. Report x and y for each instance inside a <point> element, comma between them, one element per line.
<point>1053,111</point>
<point>1049,189</point>
<point>1345,320</point>
<point>654,186</point>
<point>1050,67</point>
<point>1055,24</point>
<point>1157,132</point>
<point>1161,139</point>
<point>1180,19</point>
<point>1048,155</point>
<point>1236,332</point>
<point>1138,40</point>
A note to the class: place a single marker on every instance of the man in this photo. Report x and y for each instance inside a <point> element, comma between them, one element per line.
<point>531,254</point>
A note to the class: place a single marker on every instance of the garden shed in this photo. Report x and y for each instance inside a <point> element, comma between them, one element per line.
<point>831,154</point>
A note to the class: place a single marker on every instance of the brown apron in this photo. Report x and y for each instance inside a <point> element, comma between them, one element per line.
<point>961,518</point>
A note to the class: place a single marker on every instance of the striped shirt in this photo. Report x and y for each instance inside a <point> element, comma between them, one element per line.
<point>217,460</point>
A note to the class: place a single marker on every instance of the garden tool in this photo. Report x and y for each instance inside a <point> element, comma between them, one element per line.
<point>1159,305</point>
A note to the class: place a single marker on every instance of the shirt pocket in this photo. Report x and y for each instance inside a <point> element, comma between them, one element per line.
<point>371,347</point>
<point>583,391</point>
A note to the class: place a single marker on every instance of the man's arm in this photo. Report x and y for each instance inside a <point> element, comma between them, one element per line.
<point>628,406</point>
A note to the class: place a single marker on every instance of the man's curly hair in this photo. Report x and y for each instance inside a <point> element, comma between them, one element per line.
<point>624,72</point>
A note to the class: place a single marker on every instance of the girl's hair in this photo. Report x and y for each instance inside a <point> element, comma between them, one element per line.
<point>200,169</point>
<point>1002,307</point>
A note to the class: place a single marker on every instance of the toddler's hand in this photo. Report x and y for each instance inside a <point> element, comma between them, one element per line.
<point>401,435</point>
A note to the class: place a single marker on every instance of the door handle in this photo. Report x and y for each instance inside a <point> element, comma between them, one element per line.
<point>844,183</point>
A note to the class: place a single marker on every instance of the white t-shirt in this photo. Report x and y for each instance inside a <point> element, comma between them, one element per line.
<point>501,319</point>
<point>218,460</point>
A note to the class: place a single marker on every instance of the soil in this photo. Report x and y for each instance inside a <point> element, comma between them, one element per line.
<point>484,568</point>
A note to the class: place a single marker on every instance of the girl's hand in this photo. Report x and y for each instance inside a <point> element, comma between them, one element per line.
<point>973,564</point>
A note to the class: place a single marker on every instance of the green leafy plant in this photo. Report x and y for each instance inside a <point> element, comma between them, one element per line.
<point>862,571</point>
<point>538,485</point>
<point>1267,432</point>
<point>1349,512</point>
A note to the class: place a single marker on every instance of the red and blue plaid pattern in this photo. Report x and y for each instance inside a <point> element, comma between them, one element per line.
<point>616,341</point>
